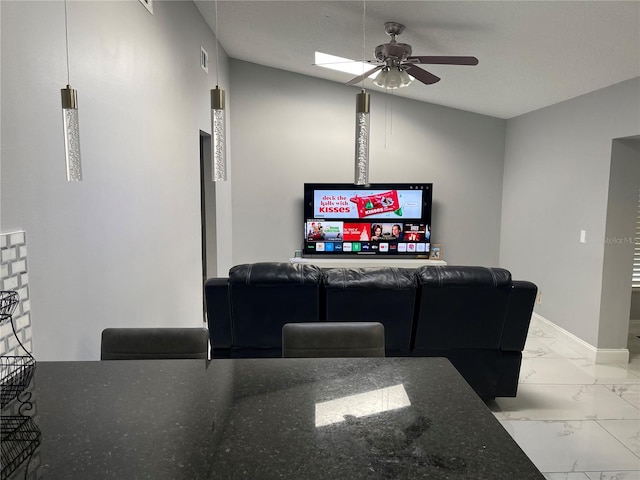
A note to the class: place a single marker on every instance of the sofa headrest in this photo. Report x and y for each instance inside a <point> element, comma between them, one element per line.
<point>370,277</point>
<point>273,273</point>
<point>462,276</point>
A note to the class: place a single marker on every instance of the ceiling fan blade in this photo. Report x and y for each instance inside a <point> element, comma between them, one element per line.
<point>422,75</point>
<point>360,78</point>
<point>444,60</point>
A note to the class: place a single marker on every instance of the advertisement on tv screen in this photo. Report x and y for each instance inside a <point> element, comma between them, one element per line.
<point>319,230</point>
<point>356,232</point>
<point>368,204</point>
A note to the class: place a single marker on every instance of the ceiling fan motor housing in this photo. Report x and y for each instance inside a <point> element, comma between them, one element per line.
<point>399,51</point>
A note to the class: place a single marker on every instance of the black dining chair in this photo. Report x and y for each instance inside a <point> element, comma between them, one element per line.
<point>333,339</point>
<point>154,343</point>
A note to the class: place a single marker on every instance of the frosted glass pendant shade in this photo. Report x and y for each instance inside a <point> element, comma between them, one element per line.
<point>71,134</point>
<point>362,139</point>
<point>392,78</point>
<point>218,135</point>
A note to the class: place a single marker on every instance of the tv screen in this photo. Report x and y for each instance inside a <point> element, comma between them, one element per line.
<point>383,219</point>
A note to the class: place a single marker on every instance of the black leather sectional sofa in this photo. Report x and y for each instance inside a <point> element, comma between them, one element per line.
<point>477,317</point>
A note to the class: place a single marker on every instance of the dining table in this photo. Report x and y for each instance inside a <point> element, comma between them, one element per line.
<point>260,418</point>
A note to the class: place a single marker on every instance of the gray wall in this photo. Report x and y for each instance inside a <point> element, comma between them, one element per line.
<point>123,247</point>
<point>556,183</point>
<point>289,129</point>
<point>622,209</point>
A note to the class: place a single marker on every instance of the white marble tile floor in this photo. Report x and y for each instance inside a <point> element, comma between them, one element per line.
<point>574,419</point>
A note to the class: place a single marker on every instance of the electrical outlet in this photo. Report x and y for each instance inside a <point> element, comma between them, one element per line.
<point>204,59</point>
<point>539,297</point>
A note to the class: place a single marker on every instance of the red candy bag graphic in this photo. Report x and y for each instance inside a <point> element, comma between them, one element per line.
<point>377,203</point>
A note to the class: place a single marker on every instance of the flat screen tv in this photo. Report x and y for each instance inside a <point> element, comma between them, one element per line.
<point>381,219</point>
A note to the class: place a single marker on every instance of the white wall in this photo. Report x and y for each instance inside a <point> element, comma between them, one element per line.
<point>121,248</point>
<point>556,183</point>
<point>289,129</point>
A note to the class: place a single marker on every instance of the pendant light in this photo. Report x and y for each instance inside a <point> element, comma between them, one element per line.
<point>362,120</point>
<point>218,130</point>
<point>70,120</point>
<point>362,138</point>
<point>218,154</point>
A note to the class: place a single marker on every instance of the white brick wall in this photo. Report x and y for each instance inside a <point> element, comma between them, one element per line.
<point>14,276</point>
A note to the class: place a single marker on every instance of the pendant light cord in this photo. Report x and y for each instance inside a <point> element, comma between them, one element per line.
<point>66,39</point>
<point>217,47</point>
<point>364,38</point>
<point>388,115</point>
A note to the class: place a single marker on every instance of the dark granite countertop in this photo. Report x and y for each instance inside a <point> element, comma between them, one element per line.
<point>302,419</point>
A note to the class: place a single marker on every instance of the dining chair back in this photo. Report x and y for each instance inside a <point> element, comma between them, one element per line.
<point>333,339</point>
<point>154,343</point>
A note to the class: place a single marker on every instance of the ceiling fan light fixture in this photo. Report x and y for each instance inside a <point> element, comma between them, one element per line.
<point>392,78</point>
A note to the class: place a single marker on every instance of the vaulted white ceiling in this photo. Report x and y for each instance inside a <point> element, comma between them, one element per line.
<point>531,53</point>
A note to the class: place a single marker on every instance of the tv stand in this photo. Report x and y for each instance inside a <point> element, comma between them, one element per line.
<point>367,262</point>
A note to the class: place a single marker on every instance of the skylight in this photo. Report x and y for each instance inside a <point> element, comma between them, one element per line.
<point>341,64</point>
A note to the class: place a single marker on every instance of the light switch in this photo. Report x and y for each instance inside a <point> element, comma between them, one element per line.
<point>583,236</point>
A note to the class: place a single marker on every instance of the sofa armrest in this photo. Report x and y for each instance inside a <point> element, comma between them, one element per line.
<point>216,292</point>
<point>519,310</point>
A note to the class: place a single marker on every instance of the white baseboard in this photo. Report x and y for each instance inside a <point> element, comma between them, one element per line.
<point>602,356</point>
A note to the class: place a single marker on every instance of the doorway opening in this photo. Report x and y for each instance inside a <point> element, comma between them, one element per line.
<point>207,211</point>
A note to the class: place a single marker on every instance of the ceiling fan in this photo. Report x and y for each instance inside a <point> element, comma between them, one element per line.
<point>397,63</point>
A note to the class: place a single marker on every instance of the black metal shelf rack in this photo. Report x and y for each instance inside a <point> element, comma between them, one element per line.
<point>19,435</point>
